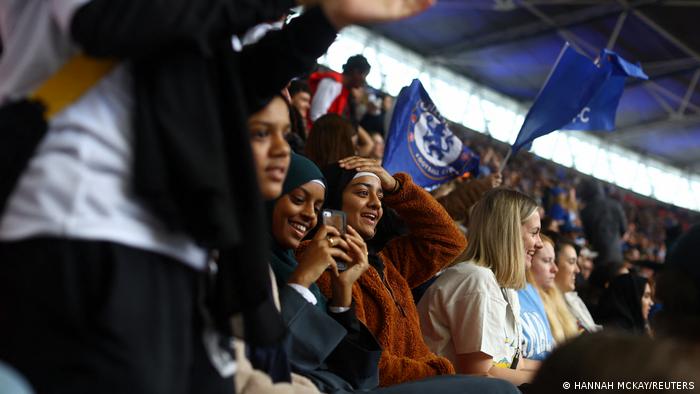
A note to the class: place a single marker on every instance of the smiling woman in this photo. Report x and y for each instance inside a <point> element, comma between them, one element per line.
<point>382,296</point>
<point>471,313</point>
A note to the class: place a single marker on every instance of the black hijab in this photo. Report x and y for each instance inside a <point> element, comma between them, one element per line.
<point>621,303</point>
<point>282,260</point>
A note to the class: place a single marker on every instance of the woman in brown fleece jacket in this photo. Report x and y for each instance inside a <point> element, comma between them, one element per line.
<point>382,296</point>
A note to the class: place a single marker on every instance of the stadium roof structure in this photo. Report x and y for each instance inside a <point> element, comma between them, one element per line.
<point>511,45</point>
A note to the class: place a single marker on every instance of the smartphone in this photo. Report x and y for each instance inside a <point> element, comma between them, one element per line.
<point>337,219</point>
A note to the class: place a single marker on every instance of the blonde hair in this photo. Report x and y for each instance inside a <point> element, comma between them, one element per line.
<point>561,321</point>
<point>495,239</point>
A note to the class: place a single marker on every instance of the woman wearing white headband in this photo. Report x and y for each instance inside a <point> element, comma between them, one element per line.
<point>382,295</point>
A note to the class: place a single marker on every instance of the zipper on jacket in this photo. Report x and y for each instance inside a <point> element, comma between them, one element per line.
<point>385,282</point>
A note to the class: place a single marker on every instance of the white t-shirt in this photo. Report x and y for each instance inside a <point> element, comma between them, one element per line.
<point>580,311</point>
<point>465,311</point>
<point>78,184</point>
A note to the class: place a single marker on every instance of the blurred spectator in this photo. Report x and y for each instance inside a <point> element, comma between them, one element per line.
<point>549,224</point>
<point>585,262</point>
<point>378,148</point>
<point>625,304</point>
<point>300,94</point>
<point>11,382</point>
<point>332,138</point>
<point>613,359</point>
<point>374,118</point>
<point>332,91</point>
<point>604,222</point>
<point>557,208</point>
<point>458,196</point>
<point>678,289</point>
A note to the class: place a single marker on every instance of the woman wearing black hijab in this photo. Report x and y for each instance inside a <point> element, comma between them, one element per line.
<point>625,304</point>
<point>329,345</point>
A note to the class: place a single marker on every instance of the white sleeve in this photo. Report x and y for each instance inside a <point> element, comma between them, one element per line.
<point>338,309</point>
<point>327,91</point>
<point>304,292</point>
<point>63,11</point>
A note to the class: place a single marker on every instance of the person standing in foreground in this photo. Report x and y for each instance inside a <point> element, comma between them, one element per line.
<point>112,218</point>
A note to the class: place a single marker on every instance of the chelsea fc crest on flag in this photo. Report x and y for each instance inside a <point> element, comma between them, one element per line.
<point>421,143</point>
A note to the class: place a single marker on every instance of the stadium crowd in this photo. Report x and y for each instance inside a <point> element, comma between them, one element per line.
<point>205,211</point>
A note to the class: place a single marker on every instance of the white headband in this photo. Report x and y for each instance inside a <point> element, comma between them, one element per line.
<point>364,173</point>
<point>320,182</point>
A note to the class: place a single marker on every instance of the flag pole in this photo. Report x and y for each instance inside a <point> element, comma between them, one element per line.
<point>505,161</point>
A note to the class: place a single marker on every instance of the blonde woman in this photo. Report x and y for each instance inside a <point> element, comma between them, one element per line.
<point>470,314</point>
<point>542,275</point>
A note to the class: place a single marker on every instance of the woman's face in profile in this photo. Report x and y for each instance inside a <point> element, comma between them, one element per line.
<point>544,269</point>
<point>530,230</point>
<point>568,268</point>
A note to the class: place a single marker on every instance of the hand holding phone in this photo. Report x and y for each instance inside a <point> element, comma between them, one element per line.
<point>338,220</point>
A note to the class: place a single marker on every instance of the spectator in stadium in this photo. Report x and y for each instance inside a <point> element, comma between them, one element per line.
<point>263,368</point>
<point>332,138</point>
<point>300,97</point>
<point>616,361</point>
<point>604,223</point>
<point>470,314</point>
<point>557,209</point>
<point>374,118</point>
<point>549,224</point>
<point>625,304</point>
<point>567,264</point>
<point>565,280</point>
<point>188,113</point>
<point>329,345</point>
<point>585,262</point>
<point>465,193</point>
<point>361,187</point>
<point>344,354</point>
<point>538,340</point>
<point>378,148</point>
<point>300,93</point>
<point>298,135</point>
<point>542,275</point>
<point>678,289</point>
<point>332,91</point>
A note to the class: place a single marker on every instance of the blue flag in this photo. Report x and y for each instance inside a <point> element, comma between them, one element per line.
<point>578,95</point>
<point>420,142</point>
<point>599,113</point>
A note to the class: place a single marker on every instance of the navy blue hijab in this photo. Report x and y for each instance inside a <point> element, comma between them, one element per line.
<point>282,260</point>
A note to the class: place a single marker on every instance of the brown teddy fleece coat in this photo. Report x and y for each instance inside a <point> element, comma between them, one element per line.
<point>386,306</point>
